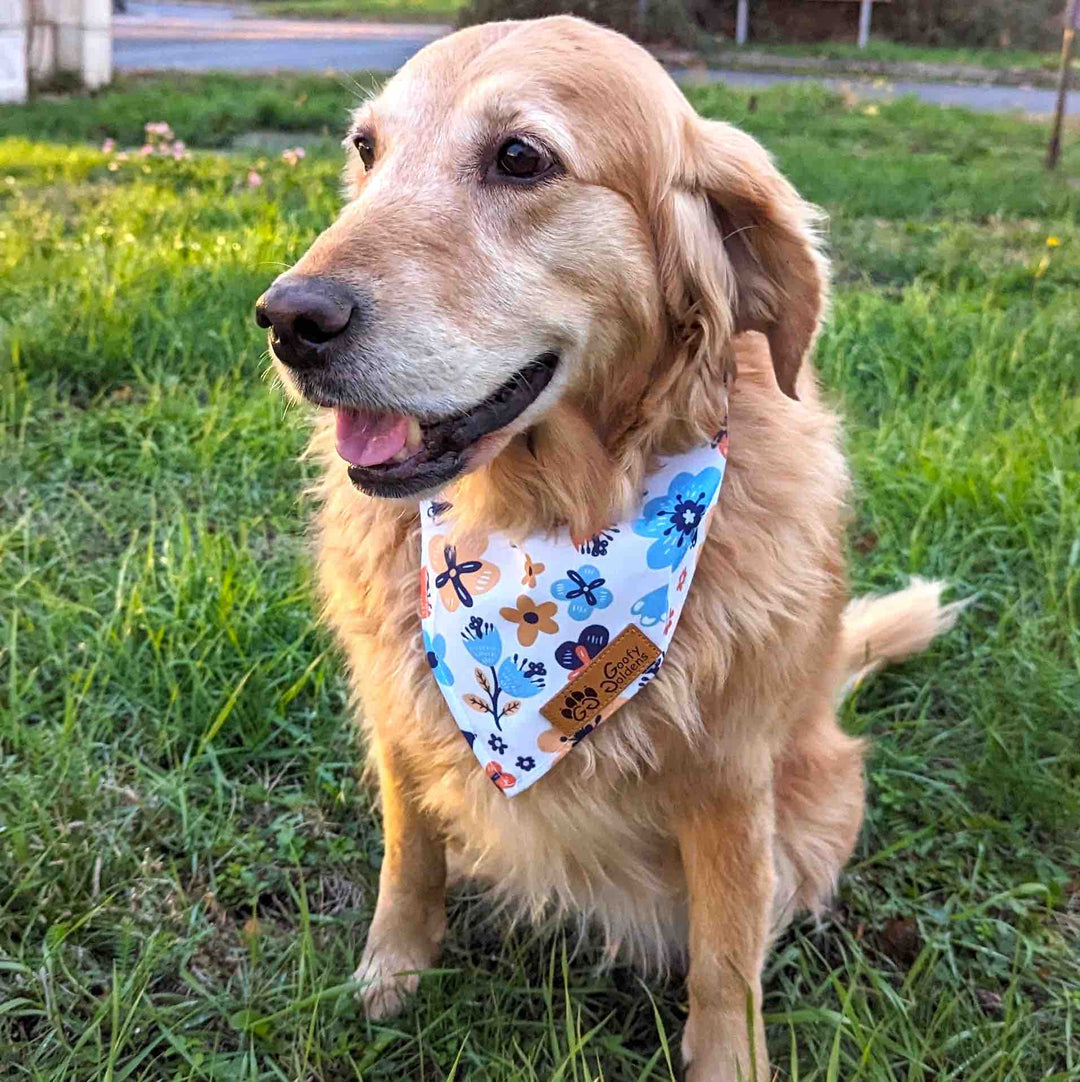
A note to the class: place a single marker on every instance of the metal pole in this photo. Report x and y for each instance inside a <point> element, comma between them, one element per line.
<point>865,7</point>
<point>1072,24</point>
<point>742,17</point>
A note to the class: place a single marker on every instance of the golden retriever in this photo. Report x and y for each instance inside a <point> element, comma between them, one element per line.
<point>547,270</point>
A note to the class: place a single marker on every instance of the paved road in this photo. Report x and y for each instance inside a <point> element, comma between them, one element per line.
<point>251,53</point>
<point>216,37</point>
<point>992,99</point>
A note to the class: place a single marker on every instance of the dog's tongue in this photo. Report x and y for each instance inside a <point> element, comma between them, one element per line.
<point>368,439</point>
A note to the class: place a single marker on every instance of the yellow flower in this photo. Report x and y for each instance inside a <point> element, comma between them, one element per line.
<point>1053,242</point>
<point>871,110</point>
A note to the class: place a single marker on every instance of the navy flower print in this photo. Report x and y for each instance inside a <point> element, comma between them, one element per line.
<point>497,744</point>
<point>597,545</point>
<point>454,572</point>
<point>525,762</point>
<point>435,651</point>
<point>573,655</point>
<point>674,519</point>
<point>584,589</point>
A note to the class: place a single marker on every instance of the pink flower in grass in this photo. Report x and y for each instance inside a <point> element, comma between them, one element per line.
<point>253,179</point>
<point>108,146</point>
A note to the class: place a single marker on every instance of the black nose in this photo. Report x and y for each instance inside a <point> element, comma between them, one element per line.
<point>304,316</point>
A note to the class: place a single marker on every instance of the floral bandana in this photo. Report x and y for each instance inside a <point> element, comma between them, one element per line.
<point>535,645</point>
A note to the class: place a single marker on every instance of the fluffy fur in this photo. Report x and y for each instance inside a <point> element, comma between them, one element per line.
<point>671,255</point>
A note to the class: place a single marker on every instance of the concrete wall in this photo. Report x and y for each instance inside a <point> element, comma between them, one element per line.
<point>13,19</point>
<point>50,37</point>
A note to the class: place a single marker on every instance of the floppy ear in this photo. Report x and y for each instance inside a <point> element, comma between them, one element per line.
<point>738,250</point>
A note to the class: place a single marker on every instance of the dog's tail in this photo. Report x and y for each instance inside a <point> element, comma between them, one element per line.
<point>879,631</point>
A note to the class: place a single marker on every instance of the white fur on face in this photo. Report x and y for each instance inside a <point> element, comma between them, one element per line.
<point>470,281</point>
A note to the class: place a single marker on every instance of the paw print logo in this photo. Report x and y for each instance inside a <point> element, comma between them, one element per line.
<point>580,704</point>
<point>496,743</point>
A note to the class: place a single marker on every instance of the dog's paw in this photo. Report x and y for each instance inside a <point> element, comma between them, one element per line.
<point>389,974</point>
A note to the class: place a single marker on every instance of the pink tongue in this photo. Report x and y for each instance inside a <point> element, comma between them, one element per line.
<point>367,439</point>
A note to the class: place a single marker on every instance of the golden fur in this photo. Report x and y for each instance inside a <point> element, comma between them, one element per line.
<point>724,797</point>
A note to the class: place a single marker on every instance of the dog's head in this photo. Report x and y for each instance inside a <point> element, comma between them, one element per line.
<point>539,231</point>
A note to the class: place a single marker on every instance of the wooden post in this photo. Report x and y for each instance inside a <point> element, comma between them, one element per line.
<point>742,17</point>
<point>865,7</point>
<point>1072,24</point>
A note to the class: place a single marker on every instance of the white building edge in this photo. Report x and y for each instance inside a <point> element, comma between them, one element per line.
<point>42,39</point>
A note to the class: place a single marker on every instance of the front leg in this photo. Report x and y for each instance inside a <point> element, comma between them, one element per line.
<point>725,841</point>
<point>410,914</point>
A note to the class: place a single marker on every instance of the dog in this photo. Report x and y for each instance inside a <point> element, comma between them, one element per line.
<point>549,274</point>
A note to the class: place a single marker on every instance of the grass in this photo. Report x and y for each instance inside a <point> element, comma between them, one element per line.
<point>187,860</point>
<point>204,110</point>
<point>900,53</point>
<point>407,11</point>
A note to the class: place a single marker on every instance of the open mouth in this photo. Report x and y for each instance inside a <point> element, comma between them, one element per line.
<point>392,455</point>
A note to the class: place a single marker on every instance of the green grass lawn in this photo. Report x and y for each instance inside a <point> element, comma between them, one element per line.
<point>901,53</point>
<point>433,11</point>
<point>187,859</point>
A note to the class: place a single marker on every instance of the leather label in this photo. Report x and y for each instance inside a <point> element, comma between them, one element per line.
<point>602,681</point>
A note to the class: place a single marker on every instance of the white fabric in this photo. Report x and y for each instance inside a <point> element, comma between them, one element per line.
<point>505,626</point>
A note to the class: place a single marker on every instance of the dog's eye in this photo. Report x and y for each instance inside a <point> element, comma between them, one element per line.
<point>521,161</point>
<point>365,147</point>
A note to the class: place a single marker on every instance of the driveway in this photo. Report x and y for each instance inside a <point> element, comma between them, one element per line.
<point>216,37</point>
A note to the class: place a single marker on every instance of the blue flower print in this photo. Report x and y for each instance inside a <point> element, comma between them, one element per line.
<point>652,608</point>
<point>674,519</point>
<point>497,744</point>
<point>435,651</point>
<point>597,545</point>
<point>525,762</point>
<point>521,677</point>
<point>585,590</point>
<point>482,641</point>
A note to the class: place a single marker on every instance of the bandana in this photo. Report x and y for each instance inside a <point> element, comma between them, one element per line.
<point>534,645</point>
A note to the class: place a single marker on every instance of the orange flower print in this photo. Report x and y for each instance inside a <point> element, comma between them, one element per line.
<point>424,608</point>
<point>531,571</point>
<point>499,777</point>
<point>531,618</point>
<point>720,440</point>
<point>459,571</point>
<point>682,579</point>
